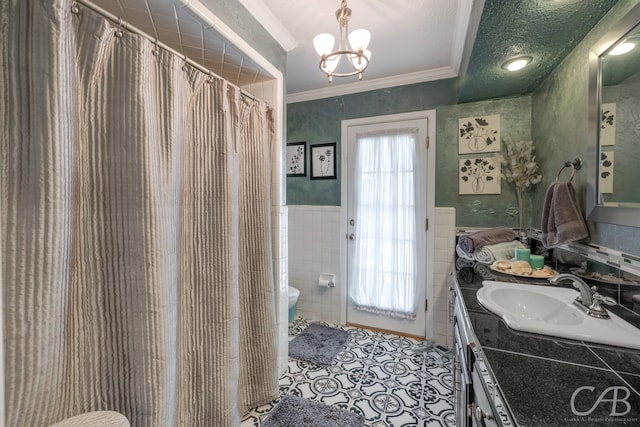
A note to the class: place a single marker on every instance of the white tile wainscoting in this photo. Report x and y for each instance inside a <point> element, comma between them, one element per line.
<point>280,242</point>
<point>444,226</point>
<point>314,248</point>
<point>315,241</point>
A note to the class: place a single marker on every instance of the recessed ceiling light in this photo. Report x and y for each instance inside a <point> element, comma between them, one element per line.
<point>622,48</point>
<point>516,64</point>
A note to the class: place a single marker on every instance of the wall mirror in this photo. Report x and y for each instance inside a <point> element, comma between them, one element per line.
<point>613,187</point>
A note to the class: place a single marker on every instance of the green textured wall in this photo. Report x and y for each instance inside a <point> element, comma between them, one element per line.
<point>319,122</point>
<point>238,18</point>
<point>479,210</point>
<point>560,125</point>
<point>554,117</point>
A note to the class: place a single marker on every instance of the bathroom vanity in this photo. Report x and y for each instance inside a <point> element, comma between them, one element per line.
<point>503,377</point>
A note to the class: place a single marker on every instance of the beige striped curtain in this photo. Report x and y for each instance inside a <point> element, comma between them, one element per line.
<point>136,236</point>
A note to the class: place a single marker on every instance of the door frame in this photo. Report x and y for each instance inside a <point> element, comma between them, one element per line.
<point>430,116</point>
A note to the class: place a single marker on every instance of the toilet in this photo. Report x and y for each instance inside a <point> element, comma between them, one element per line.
<point>293,298</point>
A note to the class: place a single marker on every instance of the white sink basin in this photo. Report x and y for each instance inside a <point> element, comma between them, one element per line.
<point>549,310</point>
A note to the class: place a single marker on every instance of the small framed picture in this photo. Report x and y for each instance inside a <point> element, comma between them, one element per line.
<point>606,172</point>
<point>608,124</point>
<point>323,161</point>
<point>296,159</point>
<point>479,175</point>
<point>479,134</point>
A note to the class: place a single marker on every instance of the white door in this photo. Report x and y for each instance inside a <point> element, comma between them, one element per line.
<point>386,213</point>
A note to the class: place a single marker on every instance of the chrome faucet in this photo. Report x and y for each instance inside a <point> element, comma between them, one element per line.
<point>585,291</point>
<point>589,300</point>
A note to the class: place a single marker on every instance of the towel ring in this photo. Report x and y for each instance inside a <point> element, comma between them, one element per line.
<point>573,171</point>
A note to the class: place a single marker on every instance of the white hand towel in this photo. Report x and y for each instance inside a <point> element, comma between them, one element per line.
<point>490,253</point>
<point>462,254</point>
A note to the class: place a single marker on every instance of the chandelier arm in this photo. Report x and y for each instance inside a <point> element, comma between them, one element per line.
<point>357,58</point>
<point>359,54</point>
<point>344,52</point>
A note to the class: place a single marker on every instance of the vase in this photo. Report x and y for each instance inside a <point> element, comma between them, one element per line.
<point>477,185</point>
<point>522,216</point>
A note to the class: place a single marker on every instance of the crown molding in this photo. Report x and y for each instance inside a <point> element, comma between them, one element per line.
<point>462,26</point>
<point>268,20</point>
<point>367,85</point>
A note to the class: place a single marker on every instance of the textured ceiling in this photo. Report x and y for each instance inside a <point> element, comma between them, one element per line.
<point>176,25</point>
<point>412,41</point>
<point>547,30</point>
<point>409,40</point>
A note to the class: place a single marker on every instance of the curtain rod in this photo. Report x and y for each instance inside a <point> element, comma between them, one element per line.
<point>127,26</point>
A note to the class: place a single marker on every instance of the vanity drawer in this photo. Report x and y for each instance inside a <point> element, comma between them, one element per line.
<point>482,413</point>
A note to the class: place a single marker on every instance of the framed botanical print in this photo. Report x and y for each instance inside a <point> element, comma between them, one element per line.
<point>608,124</point>
<point>323,161</point>
<point>479,134</point>
<point>479,175</point>
<point>296,159</point>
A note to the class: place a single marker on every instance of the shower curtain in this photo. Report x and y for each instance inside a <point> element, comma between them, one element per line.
<point>136,237</point>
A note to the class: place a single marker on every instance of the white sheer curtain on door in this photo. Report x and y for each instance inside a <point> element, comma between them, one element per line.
<point>383,271</point>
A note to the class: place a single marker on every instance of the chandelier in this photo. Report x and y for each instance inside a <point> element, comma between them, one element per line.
<point>354,48</point>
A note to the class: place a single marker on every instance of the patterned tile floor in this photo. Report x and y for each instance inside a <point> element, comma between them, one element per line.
<point>379,376</point>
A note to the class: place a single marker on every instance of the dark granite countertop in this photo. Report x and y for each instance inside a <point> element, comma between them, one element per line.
<point>548,381</point>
